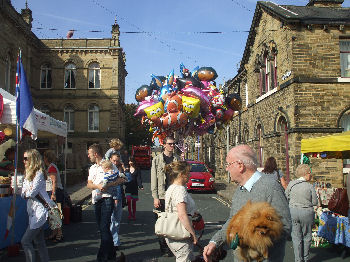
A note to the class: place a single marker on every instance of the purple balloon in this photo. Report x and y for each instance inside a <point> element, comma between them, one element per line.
<point>195,91</point>
<point>140,111</point>
<point>209,120</point>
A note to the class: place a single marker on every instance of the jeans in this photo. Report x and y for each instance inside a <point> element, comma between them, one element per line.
<point>103,213</point>
<point>36,235</point>
<point>115,222</point>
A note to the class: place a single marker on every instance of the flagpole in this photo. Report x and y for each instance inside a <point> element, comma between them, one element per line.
<point>16,155</point>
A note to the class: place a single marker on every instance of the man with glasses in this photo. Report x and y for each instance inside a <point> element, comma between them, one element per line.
<point>160,183</point>
<point>242,166</point>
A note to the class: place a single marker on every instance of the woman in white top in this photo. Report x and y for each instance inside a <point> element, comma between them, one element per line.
<point>34,184</point>
<point>178,200</point>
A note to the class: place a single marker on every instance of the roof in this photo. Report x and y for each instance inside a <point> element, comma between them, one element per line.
<point>295,14</point>
<point>308,14</point>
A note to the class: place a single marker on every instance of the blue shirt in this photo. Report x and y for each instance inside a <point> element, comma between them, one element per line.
<point>252,180</point>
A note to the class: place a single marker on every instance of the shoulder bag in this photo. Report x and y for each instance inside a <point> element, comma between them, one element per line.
<point>55,214</point>
<point>169,225</point>
<point>339,202</point>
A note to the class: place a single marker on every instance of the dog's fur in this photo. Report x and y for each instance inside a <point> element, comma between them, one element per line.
<point>257,225</point>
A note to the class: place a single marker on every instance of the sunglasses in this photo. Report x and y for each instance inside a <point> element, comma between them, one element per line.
<point>25,158</point>
<point>170,144</point>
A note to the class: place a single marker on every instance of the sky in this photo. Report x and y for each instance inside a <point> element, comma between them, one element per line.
<point>173,31</point>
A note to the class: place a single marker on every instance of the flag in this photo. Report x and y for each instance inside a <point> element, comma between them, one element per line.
<point>24,103</point>
<point>10,219</point>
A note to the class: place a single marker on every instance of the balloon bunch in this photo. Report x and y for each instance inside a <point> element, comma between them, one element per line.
<point>190,104</point>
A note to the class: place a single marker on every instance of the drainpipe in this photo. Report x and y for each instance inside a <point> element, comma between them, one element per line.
<point>228,148</point>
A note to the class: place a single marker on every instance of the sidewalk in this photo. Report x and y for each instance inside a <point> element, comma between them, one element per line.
<point>79,192</point>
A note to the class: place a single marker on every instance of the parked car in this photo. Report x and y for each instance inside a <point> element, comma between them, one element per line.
<point>201,178</point>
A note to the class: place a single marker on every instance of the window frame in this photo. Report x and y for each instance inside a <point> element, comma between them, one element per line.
<point>93,119</point>
<point>47,69</point>
<point>71,70</point>
<point>69,109</point>
<point>93,70</point>
<point>341,57</point>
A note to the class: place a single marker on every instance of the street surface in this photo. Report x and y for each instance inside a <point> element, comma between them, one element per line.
<point>139,243</point>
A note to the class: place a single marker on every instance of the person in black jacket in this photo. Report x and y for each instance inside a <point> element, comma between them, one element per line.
<point>132,187</point>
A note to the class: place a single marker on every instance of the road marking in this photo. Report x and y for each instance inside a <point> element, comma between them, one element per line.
<point>222,201</point>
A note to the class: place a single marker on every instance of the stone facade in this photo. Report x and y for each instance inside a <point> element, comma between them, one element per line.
<point>101,60</point>
<point>302,93</point>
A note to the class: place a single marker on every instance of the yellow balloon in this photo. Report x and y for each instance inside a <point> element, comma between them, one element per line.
<point>191,106</point>
<point>155,110</point>
<point>8,131</point>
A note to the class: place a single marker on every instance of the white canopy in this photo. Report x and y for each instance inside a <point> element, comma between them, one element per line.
<point>44,122</point>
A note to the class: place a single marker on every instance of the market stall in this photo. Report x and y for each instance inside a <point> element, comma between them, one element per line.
<point>332,226</point>
<point>47,126</point>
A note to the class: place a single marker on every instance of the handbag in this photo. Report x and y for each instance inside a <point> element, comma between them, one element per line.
<point>339,202</point>
<point>169,225</point>
<point>54,213</point>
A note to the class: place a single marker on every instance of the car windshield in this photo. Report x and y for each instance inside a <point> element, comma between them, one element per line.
<point>198,168</point>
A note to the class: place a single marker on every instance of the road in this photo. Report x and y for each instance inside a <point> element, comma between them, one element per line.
<point>139,243</point>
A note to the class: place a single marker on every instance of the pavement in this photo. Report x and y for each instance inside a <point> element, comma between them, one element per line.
<point>80,193</point>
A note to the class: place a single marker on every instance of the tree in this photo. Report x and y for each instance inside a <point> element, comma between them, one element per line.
<point>136,133</point>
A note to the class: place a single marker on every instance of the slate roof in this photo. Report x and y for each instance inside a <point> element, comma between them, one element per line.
<point>308,14</point>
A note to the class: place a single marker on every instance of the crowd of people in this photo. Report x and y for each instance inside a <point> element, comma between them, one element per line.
<point>294,201</point>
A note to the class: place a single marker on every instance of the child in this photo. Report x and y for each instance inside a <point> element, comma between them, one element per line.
<point>110,176</point>
<point>115,145</point>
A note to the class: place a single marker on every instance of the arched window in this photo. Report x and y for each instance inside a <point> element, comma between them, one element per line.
<point>69,117</point>
<point>260,145</point>
<point>69,75</point>
<point>45,76</point>
<point>93,118</point>
<point>44,108</point>
<point>283,129</point>
<point>8,73</point>
<point>94,75</point>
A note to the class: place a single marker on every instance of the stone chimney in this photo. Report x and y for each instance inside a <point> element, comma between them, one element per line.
<point>27,15</point>
<point>115,33</point>
<point>325,3</point>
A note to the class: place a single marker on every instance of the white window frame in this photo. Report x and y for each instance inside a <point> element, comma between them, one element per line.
<point>69,111</point>
<point>344,60</point>
<point>72,69</point>
<point>45,68</point>
<point>94,71</point>
<point>95,114</point>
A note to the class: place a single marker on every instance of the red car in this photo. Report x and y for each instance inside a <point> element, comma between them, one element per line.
<point>201,178</point>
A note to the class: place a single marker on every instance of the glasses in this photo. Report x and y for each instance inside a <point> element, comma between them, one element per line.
<point>25,158</point>
<point>170,144</point>
<point>229,164</point>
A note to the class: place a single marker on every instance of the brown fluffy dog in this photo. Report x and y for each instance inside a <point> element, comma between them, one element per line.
<point>257,225</point>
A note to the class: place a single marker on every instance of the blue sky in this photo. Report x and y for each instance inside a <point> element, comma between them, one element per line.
<point>172,31</point>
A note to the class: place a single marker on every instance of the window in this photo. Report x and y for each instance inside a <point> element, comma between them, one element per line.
<point>45,109</point>
<point>8,73</point>
<point>345,58</point>
<point>45,76</point>
<point>93,118</point>
<point>69,76</point>
<point>260,145</point>
<point>272,73</point>
<point>94,75</point>
<point>69,117</point>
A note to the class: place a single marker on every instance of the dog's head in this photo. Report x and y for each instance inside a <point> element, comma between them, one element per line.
<point>264,221</point>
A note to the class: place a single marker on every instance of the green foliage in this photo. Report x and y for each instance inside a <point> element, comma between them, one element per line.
<point>135,133</point>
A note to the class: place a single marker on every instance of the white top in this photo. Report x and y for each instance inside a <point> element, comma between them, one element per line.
<point>96,175</point>
<point>52,166</point>
<point>37,213</point>
<point>178,195</point>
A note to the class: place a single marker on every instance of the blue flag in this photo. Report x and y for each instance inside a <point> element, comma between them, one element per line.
<point>24,103</point>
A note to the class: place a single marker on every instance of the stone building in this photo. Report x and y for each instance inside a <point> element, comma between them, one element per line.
<point>79,81</point>
<point>294,81</point>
